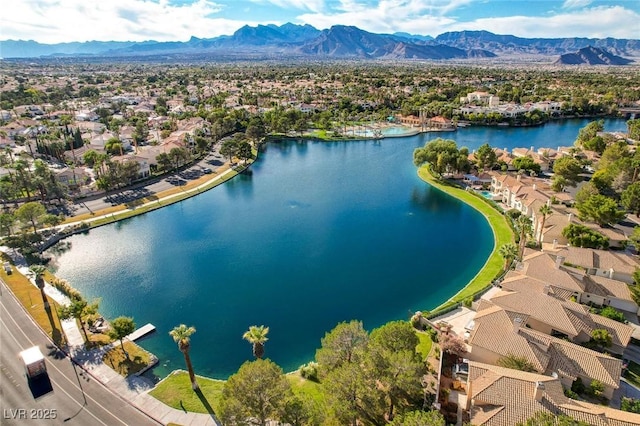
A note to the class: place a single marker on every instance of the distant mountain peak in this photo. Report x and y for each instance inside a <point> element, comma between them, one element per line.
<point>591,55</point>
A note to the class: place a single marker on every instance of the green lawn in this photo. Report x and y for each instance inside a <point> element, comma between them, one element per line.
<point>175,391</point>
<point>501,231</point>
<point>137,360</point>
<point>424,347</point>
<point>302,386</point>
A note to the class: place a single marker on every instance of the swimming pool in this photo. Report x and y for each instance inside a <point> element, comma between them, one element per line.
<point>487,194</point>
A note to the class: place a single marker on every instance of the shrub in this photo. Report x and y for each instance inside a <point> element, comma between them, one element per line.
<point>514,213</point>
<point>310,371</point>
<point>581,236</point>
<point>614,314</point>
<point>571,394</point>
<point>65,288</point>
<point>595,388</point>
<point>577,386</point>
<point>630,404</point>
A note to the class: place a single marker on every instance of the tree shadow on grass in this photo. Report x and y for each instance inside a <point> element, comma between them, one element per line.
<point>204,401</point>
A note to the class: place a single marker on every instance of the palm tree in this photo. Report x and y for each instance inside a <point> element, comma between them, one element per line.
<point>38,273</point>
<point>508,252</point>
<point>545,210</point>
<point>257,336</point>
<point>181,335</point>
<point>524,226</point>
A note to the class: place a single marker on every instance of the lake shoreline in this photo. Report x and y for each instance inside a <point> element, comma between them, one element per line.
<point>501,232</point>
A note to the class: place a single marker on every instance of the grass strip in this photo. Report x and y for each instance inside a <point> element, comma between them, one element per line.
<point>137,360</point>
<point>424,347</point>
<point>175,391</point>
<point>502,234</point>
<point>30,297</point>
<point>154,202</point>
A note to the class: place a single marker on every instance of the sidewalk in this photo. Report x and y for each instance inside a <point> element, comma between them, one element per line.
<point>208,184</point>
<point>133,389</point>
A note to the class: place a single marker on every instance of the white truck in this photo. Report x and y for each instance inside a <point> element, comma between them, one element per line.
<point>33,360</point>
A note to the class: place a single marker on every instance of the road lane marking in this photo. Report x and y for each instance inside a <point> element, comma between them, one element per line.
<point>60,372</point>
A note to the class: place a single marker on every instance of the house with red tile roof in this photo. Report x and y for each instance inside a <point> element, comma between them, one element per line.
<point>500,396</point>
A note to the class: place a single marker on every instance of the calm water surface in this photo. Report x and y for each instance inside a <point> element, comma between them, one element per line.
<point>316,234</point>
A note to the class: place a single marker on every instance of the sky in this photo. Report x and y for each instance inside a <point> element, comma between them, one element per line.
<point>57,21</point>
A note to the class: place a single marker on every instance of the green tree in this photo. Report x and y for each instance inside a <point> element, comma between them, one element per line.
<point>558,183</point>
<point>601,337</point>
<point>419,418</point>
<point>243,151</point>
<point>545,211</point>
<point>79,309</point>
<point>396,366</point>
<point>229,148</point>
<point>526,163</point>
<point>486,157</point>
<point>182,336</point>
<point>516,362</point>
<point>630,198</point>
<point>351,395</point>
<point>38,276</point>
<point>30,212</point>
<point>256,393</point>
<point>612,313</point>
<point>7,220</point>
<point>257,336</point>
<point>589,132</point>
<point>113,146</point>
<point>581,236</point>
<point>508,252</point>
<point>344,344</point>
<point>441,154</point>
<point>630,404</point>
<point>524,226</point>
<point>121,327</point>
<point>544,418</point>
<point>633,129</point>
<point>164,162</point>
<point>600,209</point>
<point>569,168</point>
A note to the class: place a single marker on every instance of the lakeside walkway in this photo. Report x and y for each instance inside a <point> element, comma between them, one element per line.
<point>134,389</point>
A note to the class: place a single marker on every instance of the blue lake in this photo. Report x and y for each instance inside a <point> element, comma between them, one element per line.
<point>315,234</point>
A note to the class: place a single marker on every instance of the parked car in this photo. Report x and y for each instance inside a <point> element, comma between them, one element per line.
<point>7,268</point>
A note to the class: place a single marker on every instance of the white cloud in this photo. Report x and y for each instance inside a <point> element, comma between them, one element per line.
<point>418,17</point>
<point>387,16</point>
<point>575,4</point>
<point>312,5</point>
<point>54,21</point>
<point>597,22</point>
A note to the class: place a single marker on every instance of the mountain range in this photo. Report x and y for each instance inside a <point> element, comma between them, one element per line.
<point>305,41</point>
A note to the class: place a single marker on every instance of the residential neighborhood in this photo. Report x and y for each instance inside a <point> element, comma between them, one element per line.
<point>551,329</point>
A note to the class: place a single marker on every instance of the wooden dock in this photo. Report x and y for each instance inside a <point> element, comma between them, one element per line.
<point>142,331</point>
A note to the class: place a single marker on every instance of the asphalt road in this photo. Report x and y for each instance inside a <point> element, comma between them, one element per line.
<point>213,161</point>
<point>75,398</point>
